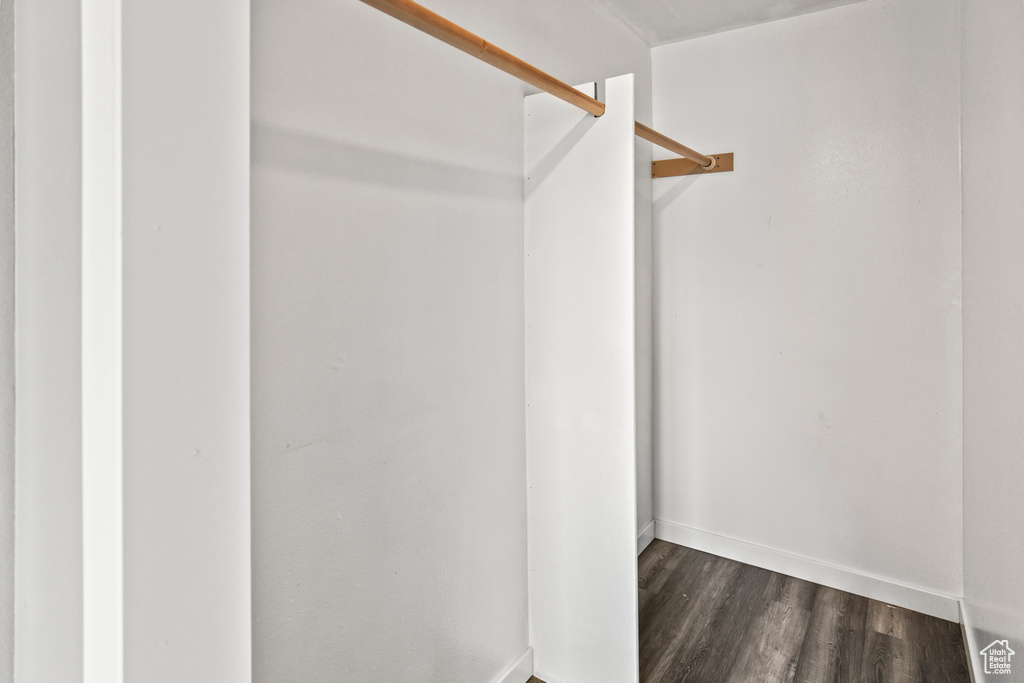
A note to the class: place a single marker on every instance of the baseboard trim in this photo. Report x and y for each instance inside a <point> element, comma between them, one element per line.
<point>969,642</point>
<point>858,583</point>
<point>644,538</point>
<point>518,671</point>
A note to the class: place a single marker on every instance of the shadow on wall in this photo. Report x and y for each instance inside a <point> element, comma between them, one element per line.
<point>297,151</point>
<point>675,190</point>
<point>536,175</point>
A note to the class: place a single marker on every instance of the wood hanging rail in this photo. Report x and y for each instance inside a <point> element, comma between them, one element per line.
<point>433,24</point>
<point>668,143</point>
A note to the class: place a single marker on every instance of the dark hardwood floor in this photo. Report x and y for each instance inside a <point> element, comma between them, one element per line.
<point>707,619</point>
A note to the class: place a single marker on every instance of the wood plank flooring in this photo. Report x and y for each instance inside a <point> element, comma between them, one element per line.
<point>707,619</point>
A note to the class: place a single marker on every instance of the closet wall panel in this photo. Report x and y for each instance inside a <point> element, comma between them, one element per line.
<point>580,388</point>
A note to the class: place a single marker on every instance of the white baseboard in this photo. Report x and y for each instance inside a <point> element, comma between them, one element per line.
<point>518,671</point>
<point>851,581</point>
<point>969,643</point>
<point>645,537</point>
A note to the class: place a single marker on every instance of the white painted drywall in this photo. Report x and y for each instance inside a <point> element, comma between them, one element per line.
<point>808,305</point>
<point>389,500</point>
<point>6,340</point>
<point>48,483</point>
<point>186,344</point>
<point>185,136</point>
<point>580,388</point>
<point>668,21</point>
<point>993,244</point>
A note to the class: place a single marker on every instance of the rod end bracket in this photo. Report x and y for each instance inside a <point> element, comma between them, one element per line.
<point>667,168</point>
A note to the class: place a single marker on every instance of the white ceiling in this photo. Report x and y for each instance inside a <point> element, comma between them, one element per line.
<point>668,21</point>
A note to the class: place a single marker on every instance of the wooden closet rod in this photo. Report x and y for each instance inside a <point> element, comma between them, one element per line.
<point>671,145</point>
<point>420,17</point>
<point>433,24</point>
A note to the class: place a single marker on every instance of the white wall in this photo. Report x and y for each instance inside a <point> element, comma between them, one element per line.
<point>184,207</point>
<point>993,244</point>
<point>48,482</point>
<point>807,336</point>
<point>6,340</point>
<point>185,138</point>
<point>389,506</point>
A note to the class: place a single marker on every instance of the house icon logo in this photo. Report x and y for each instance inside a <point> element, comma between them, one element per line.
<point>997,657</point>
